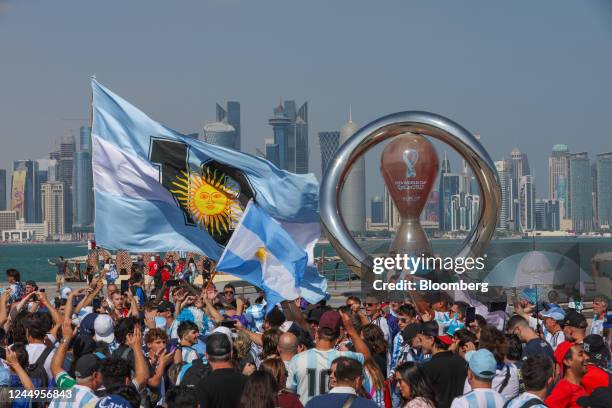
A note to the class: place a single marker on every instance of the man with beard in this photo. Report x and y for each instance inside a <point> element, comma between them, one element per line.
<point>572,361</point>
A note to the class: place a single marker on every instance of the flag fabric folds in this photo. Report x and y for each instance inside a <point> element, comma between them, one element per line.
<point>157,190</point>
<point>261,252</point>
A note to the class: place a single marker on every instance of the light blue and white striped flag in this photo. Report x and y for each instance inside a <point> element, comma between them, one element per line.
<point>157,190</point>
<point>261,252</point>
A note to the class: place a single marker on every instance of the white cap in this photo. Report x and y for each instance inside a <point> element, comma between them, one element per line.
<point>104,328</point>
<point>224,330</point>
<point>65,292</point>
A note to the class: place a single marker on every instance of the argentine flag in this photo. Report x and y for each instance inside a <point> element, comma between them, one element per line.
<point>157,190</point>
<point>261,252</point>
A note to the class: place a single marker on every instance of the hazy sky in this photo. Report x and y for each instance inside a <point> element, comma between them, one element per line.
<point>523,73</point>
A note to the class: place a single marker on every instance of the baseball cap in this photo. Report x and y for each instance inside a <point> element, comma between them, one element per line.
<point>410,332</point>
<point>314,315</point>
<point>600,398</point>
<point>561,352</point>
<point>429,329</point>
<point>371,299</point>
<point>555,313</point>
<point>87,324</point>
<point>104,327</point>
<point>575,319</point>
<point>218,345</point>
<point>65,292</point>
<point>595,347</point>
<point>448,340</point>
<point>529,294</point>
<point>331,320</point>
<point>224,330</point>
<point>165,306</point>
<point>114,401</point>
<point>86,366</point>
<point>482,363</point>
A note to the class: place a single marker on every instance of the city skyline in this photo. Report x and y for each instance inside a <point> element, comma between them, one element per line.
<point>515,87</point>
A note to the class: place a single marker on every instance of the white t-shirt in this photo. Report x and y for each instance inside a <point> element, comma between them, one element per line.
<point>381,321</point>
<point>308,371</point>
<point>511,389</point>
<point>479,398</point>
<point>34,351</point>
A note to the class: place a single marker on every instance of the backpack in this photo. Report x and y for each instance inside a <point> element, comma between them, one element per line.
<point>37,372</point>
<point>157,279</point>
<point>192,373</point>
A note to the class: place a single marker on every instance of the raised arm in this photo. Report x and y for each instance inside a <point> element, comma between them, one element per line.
<point>91,294</point>
<point>212,310</point>
<point>42,296</point>
<point>358,342</point>
<point>141,369</point>
<point>60,354</point>
<point>13,362</point>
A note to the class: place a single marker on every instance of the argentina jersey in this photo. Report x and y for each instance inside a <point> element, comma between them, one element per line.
<point>308,372</point>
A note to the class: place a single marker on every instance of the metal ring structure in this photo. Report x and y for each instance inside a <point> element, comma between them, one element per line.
<point>387,127</point>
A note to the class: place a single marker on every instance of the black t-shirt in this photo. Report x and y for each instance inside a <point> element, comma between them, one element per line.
<point>446,372</point>
<point>221,389</point>
<point>537,346</point>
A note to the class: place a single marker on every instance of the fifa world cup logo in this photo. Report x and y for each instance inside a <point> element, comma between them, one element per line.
<point>410,158</point>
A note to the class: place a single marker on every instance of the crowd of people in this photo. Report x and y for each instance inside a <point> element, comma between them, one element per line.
<point>156,339</point>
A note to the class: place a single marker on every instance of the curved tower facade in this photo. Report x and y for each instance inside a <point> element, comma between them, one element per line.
<point>221,134</point>
<point>353,197</point>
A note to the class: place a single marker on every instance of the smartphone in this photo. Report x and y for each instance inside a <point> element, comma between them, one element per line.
<point>470,315</point>
<point>172,282</point>
<point>96,304</point>
<point>125,286</point>
<point>41,289</point>
<point>229,323</point>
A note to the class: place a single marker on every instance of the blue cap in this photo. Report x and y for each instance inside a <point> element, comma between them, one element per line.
<point>114,401</point>
<point>555,313</point>
<point>482,363</point>
<point>530,295</point>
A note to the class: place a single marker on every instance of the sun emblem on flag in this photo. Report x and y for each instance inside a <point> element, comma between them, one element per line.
<point>211,199</point>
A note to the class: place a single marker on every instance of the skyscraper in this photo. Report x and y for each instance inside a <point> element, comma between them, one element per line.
<point>505,178</point>
<point>329,142</point>
<point>2,190</point>
<point>221,134</point>
<point>527,203</point>
<point>353,198</point>
<point>558,172</point>
<point>272,152</point>
<point>66,166</point>
<point>231,115</point>
<point>290,127</point>
<point>53,201</point>
<point>377,215</point>
<point>450,187</point>
<point>520,168</point>
<point>85,138</point>
<point>604,189</point>
<point>23,190</point>
<point>82,193</point>
<point>581,192</point>
<point>443,198</point>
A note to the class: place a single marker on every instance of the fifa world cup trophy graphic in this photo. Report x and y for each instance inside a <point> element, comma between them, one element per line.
<point>409,166</point>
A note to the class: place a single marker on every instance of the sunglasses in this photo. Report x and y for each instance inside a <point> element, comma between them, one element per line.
<point>229,292</point>
<point>371,304</point>
<point>404,320</point>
